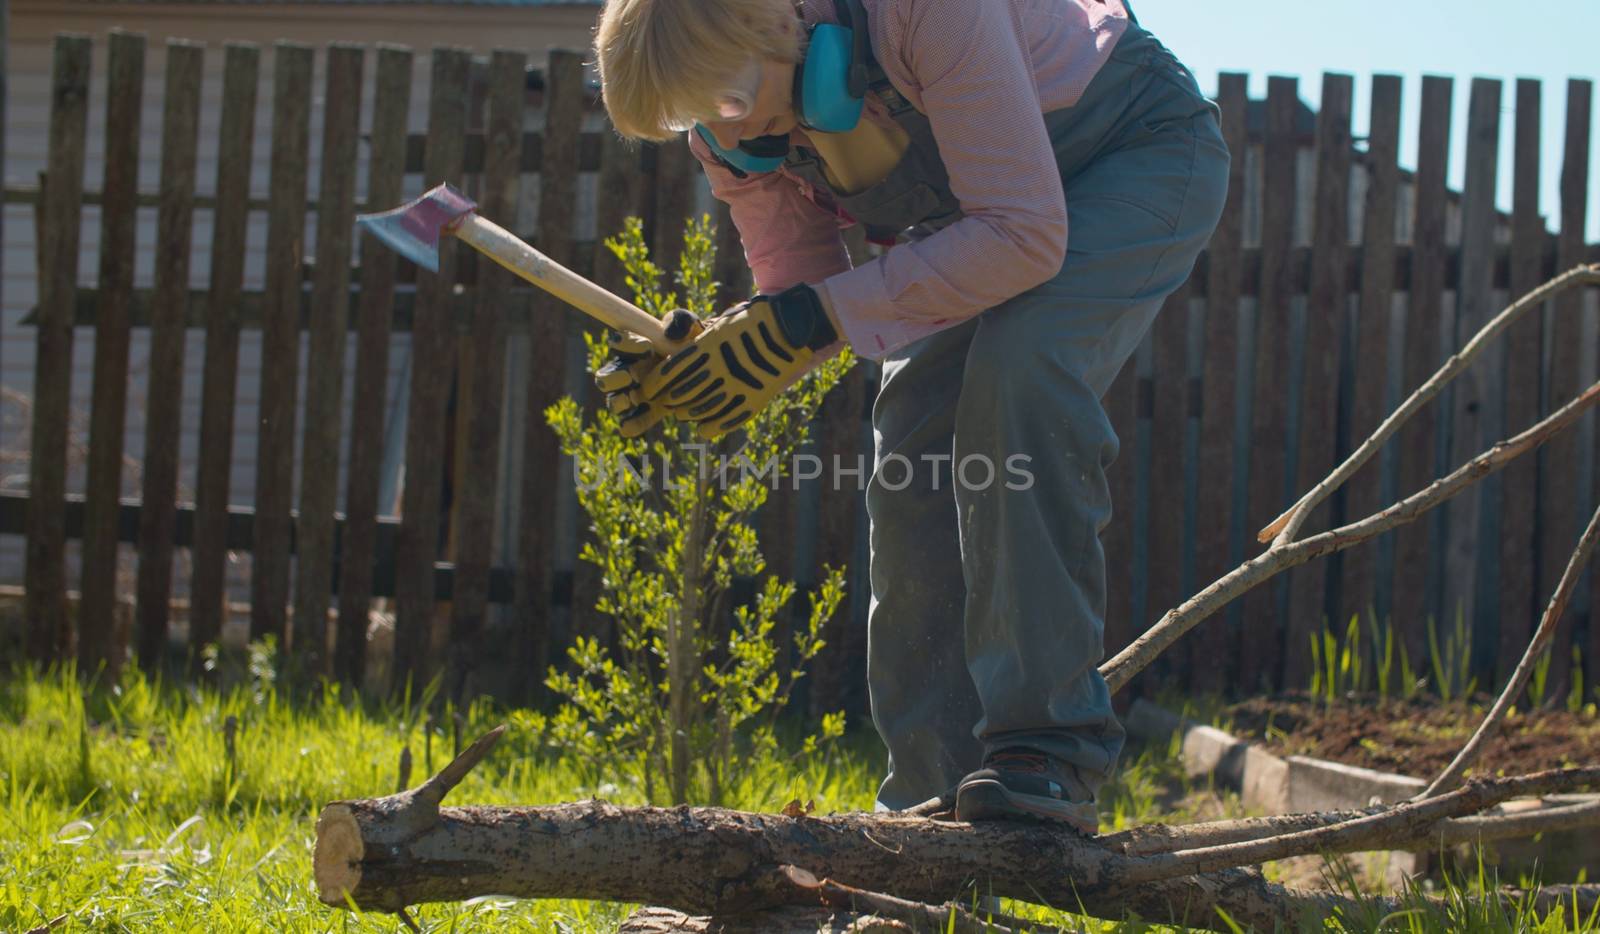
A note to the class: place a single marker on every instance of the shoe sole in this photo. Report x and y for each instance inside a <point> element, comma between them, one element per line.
<point>990,800</point>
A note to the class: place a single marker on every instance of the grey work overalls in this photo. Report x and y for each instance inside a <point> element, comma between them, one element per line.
<point>988,599</point>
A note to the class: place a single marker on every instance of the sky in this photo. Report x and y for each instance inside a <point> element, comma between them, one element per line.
<point>1553,41</point>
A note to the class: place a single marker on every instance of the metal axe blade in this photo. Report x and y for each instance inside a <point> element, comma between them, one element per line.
<point>413,229</point>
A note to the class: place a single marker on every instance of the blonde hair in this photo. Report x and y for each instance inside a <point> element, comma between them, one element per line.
<point>661,59</point>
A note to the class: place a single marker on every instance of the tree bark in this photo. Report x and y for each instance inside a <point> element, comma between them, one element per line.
<point>387,853</point>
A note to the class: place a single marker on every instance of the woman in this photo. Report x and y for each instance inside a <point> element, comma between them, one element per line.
<point>1050,172</point>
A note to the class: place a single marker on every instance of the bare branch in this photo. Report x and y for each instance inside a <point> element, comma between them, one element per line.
<point>1281,557</point>
<point>1542,638</point>
<point>1284,528</point>
<point>1404,822</point>
<point>921,916</point>
<point>1152,839</point>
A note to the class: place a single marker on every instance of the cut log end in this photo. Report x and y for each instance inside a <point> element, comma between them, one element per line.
<point>336,862</point>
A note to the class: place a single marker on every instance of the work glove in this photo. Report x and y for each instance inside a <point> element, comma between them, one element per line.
<point>743,359</point>
<point>632,359</point>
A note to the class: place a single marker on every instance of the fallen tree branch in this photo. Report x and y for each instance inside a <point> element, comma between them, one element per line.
<point>1153,839</point>
<point>387,853</point>
<point>1281,557</point>
<point>1286,551</point>
<point>1542,637</point>
<point>1406,822</point>
<point>1287,526</point>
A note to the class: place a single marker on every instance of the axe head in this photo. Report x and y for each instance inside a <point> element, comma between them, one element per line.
<point>414,228</point>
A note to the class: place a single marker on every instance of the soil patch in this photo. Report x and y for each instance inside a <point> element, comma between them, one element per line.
<point>1416,738</point>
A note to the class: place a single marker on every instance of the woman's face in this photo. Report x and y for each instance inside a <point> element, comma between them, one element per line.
<point>771,112</point>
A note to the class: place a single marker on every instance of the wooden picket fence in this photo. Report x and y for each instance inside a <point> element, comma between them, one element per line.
<point>1186,512</point>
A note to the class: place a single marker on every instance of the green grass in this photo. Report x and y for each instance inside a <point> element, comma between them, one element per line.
<point>122,811</point>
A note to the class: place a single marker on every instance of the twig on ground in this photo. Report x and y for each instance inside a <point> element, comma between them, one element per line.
<point>948,917</point>
<point>1153,839</point>
<point>1542,637</point>
<point>1404,822</point>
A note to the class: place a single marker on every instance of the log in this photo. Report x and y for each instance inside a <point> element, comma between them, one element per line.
<point>387,853</point>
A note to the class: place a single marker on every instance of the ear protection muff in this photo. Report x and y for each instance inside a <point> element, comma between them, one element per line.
<point>830,89</point>
<point>830,86</point>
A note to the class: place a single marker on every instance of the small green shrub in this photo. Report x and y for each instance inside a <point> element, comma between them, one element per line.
<point>685,700</point>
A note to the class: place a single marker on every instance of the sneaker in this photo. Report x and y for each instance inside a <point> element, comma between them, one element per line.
<point>1020,783</point>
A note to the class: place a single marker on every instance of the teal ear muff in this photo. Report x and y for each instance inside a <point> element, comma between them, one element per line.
<point>830,90</point>
<point>825,98</point>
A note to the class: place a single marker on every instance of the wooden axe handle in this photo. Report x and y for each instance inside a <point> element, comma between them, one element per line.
<point>513,253</point>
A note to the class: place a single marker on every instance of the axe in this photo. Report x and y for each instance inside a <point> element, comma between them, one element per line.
<point>413,230</point>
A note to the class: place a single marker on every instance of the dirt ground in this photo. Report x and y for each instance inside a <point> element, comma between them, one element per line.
<point>1416,738</point>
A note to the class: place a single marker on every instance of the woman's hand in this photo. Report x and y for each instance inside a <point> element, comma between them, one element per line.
<point>743,359</point>
<point>632,360</point>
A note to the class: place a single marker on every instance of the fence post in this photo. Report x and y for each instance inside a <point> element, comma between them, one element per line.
<point>483,374</point>
<point>208,590</point>
<point>280,340</point>
<point>1559,462</point>
<point>391,102</point>
<point>108,407</point>
<point>1473,410</point>
<point>432,357</point>
<point>1219,390</point>
<point>49,631</point>
<point>1524,367</point>
<point>330,317</point>
<point>180,125</point>
<point>1362,576</point>
<point>1413,601</point>
<point>547,348</point>
<point>1326,306</point>
<point>1169,378</point>
<point>1264,645</point>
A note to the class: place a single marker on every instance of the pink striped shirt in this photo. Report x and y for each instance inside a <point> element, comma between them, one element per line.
<point>984,72</point>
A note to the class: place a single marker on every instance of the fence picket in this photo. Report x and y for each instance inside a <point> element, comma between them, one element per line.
<point>1523,359</point>
<point>1168,420</point>
<point>48,632</point>
<point>180,125</point>
<point>485,366</point>
<point>1473,415</point>
<point>1263,643</point>
<point>108,407</point>
<point>1219,386</point>
<point>280,340</point>
<point>1413,600</point>
<point>1560,524</point>
<point>547,342</point>
<point>322,433</point>
<point>391,102</point>
<point>676,171</point>
<point>220,379</point>
<point>617,192</point>
<point>1363,575</point>
<point>432,358</point>
<point>1327,304</point>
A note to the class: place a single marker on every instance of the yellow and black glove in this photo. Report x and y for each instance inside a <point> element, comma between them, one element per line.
<point>743,359</point>
<point>632,359</point>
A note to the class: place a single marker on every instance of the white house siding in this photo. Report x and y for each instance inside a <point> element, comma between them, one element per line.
<point>33,26</point>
